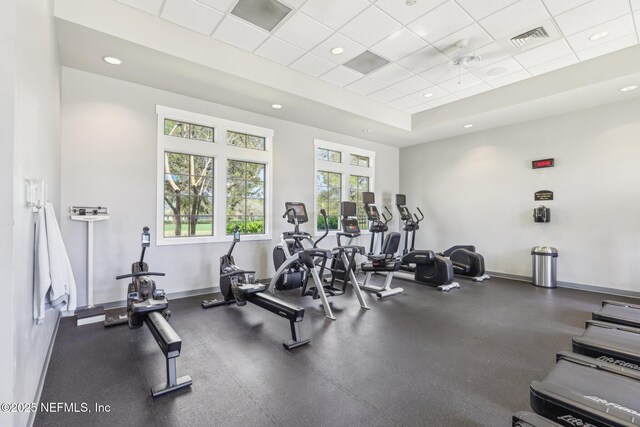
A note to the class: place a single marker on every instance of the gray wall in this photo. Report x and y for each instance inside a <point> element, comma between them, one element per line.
<point>108,158</point>
<point>36,155</point>
<point>479,189</point>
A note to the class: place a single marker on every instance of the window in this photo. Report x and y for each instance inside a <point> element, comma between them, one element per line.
<point>359,160</point>
<point>188,195</point>
<point>328,155</point>
<point>358,185</point>
<point>188,130</point>
<point>338,178</point>
<point>238,139</point>
<point>329,191</point>
<point>245,197</point>
<point>208,182</point>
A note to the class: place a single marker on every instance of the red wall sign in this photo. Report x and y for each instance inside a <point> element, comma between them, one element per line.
<point>544,163</point>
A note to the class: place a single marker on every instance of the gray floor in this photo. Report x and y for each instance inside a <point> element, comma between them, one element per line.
<point>420,358</point>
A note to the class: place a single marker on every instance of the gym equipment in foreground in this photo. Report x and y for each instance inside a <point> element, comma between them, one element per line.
<point>147,304</point>
<point>377,221</point>
<point>294,262</point>
<point>423,266</point>
<point>619,312</point>
<point>581,390</point>
<point>239,286</point>
<point>617,344</point>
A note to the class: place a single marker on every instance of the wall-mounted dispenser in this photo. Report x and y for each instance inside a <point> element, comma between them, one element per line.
<point>541,214</point>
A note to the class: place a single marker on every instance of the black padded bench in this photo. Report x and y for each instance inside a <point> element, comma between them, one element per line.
<point>617,344</point>
<point>170,344</point>
<point>622,313</point>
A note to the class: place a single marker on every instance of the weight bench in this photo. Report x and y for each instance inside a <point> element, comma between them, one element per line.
<point>170,344</point>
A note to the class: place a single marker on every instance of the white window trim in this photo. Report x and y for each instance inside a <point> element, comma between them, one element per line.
<point>345,168</point>
<point>221,152</point>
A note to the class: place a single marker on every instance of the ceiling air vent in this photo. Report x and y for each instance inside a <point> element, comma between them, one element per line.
<point>266,14</point>
<point>537,33</point>
<point>366,62</point>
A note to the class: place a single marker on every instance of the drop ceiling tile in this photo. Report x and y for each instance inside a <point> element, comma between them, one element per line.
<point>405,14</point>
<point>512,78</point>
<point>482,9</point>
<point>617,28</point>
<point>612,46</point>
<point>476,36</point>
<point>418,108</point>
<point>497,69</point>
<point>302,31</point>
<point>635,4</point>
<point>390,74</point>
<point>149,6</point>
<point>446,19</point>
<point>221,5</point>
<point>411,85</point>
<point>556,64</point>
<point>398,45</point>
<point>492,53</point>
<point>403,103</point>
<point>239,33</point>
<point>542,54</point>
<point>436,93</point>
<point>312,65</point>
<point>442,101</point>
<point>365,86</point>
<point>385,95</point>
<point>591,14</point>
<point>458,84</point>
<point>292,3</point>
<point>370,27</point>
<point>556,7</point>
<point>515,19</point>
<point>473,90</point>
<point>192,15</point>
<point>334,13</point>
<point>351,49</point>
<point>279,51</point>
<point>423,60</point>
<point>341,76</point>
<point>442,73</point>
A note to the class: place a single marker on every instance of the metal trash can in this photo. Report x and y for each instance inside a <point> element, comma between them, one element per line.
<point>544,260</point>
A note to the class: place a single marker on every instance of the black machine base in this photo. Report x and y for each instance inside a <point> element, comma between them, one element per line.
<point>163,388</point>
<point>115,318</point>
<point>90,315</point>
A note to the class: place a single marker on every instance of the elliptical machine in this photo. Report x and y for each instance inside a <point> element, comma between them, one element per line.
<point>424,265</point>
<point>147,304</point>
<point>377,221</point>
<point>239,286</point>
<point>464,258</point>
<point>295,263</point>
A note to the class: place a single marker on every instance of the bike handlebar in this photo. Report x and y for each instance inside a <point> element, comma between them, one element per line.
<point>138,274</point>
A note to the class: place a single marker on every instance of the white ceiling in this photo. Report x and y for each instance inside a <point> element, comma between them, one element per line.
<point>540,82</point>
<point>417,40</point>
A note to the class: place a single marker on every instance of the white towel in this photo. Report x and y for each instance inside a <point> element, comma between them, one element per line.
<point>54,285</point>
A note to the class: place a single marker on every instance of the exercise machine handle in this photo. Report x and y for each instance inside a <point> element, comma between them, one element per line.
<point>390,215</point>
<point>326,227</point>
<point>421,214</point>
<point>237,273</point>
<point>138,274</point>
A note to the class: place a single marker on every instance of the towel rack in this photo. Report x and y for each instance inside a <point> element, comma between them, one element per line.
<point>36,194</point>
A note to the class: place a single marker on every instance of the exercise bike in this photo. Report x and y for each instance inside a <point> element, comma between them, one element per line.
<point>239,286</point>
<point>148,305</point>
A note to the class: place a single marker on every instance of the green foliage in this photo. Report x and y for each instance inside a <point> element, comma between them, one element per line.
<point>333,220</point>
<point>249,227</point>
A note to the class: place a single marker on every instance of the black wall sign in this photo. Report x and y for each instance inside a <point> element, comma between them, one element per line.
<point>544,163</point>
<point>543,195</point>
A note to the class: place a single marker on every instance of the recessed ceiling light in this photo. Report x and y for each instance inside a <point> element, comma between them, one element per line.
<point>112,60</point>
<point>599,36</point>
<point>276,106</point>
<point>468,126</point>
<point>411,2</point>
<point>628,88</point>
<point>337,50</point>
<point>367,130</point>
<point>428,95</point>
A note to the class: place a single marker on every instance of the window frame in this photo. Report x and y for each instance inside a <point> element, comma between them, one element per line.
<point>221,152</point>
<point>346,169</point>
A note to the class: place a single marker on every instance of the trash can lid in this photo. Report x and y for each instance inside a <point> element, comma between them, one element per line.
<point>544,250</point>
